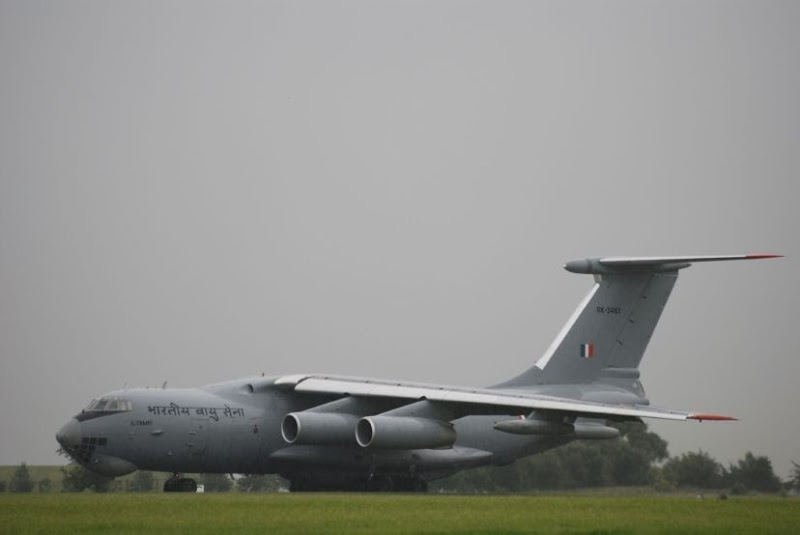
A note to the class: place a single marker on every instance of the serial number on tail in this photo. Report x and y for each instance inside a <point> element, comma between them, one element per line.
<point>609,310</point>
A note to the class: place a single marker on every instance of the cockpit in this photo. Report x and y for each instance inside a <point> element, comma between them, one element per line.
<point>104,406</point>
<point>109,405</point>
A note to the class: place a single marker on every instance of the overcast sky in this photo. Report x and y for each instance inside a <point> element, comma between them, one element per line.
<point>198,191</point>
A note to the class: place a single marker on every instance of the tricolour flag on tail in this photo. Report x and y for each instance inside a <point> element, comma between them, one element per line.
<point>587,351</point>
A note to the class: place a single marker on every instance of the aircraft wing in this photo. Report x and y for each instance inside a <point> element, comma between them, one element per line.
<point>479,400</point>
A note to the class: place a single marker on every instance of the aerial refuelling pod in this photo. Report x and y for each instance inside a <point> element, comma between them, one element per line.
<point>587,431</point>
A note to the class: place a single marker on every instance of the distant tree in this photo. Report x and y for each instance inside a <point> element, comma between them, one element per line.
<point>543,472</point>
<point>630,460</point>
<point>794,481</point>
<point>76,478</point>
<point>583,465</point>
<point>754,473</point>
<point>258,483</point>
<point>652,446</point>
<point>628,465</point>
<point>694,469</point>
<point>474,481</point>
<point>21,480</point>
<point>660,482</point>
<point>595,471</point>
<point>738,489</point>
<point>142,481</point>
<point>217,483</point>
<point>3,486</point>
<point>45,485</point>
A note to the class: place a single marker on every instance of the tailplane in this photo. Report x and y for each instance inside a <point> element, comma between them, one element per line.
<point>608,333</point>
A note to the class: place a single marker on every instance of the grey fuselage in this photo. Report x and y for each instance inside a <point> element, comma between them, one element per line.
<point>235,427</point>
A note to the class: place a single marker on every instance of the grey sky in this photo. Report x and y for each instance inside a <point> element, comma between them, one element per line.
<point>198,191</point>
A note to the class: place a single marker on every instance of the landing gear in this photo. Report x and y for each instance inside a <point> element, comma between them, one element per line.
<point>180,484</point>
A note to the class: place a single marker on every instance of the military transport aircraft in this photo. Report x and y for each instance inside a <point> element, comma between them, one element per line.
<point>327,432</point>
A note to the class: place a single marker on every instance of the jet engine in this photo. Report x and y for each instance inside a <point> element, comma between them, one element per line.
<point>321,428</point>
<point>403,432</point>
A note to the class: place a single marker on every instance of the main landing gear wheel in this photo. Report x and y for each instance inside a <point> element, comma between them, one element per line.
<point>180,484</point>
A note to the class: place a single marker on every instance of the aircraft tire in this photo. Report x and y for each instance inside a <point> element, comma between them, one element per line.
<point>186,484</point>
<point>180,484</point>
<point>171,485</point>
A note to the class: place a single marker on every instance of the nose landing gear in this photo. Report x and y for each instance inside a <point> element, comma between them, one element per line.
<point>180,484</point>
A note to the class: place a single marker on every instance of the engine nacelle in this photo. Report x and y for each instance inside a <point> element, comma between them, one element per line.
<point>322,428</point>
<point>404,433</point>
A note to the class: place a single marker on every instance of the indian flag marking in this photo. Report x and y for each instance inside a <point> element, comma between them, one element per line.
<point>587,351</point>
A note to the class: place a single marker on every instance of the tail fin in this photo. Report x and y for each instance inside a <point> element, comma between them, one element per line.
<point>609,331</point>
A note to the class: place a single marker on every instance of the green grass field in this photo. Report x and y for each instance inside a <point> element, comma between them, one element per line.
<point>362,513</point>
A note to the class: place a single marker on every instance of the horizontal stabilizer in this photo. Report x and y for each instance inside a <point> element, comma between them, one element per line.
<point>616,264</point>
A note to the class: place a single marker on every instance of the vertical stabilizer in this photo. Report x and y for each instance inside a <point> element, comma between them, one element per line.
<point>609,331</point>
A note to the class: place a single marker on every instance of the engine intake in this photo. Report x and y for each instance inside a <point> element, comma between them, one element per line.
<point>404,433</point>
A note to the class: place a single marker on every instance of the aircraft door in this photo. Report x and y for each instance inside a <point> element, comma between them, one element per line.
<point>197,438</point>
<point>257,429</point>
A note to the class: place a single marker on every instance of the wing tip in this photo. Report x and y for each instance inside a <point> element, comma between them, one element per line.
<point>712,417</point>
<point>762,256</point>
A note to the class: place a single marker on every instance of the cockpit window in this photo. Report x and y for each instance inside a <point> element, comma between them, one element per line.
<point>110,405</point>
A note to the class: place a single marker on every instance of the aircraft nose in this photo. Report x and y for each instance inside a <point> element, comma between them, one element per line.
<point>70,435</point>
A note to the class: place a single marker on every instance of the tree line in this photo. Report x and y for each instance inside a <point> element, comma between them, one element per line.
<point>638,459</point>
<point>76,478</point>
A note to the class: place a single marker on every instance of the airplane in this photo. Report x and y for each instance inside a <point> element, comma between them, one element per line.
<point>330,432</point>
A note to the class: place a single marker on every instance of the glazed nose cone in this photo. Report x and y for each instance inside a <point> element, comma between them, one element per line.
<point>70,434</point>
